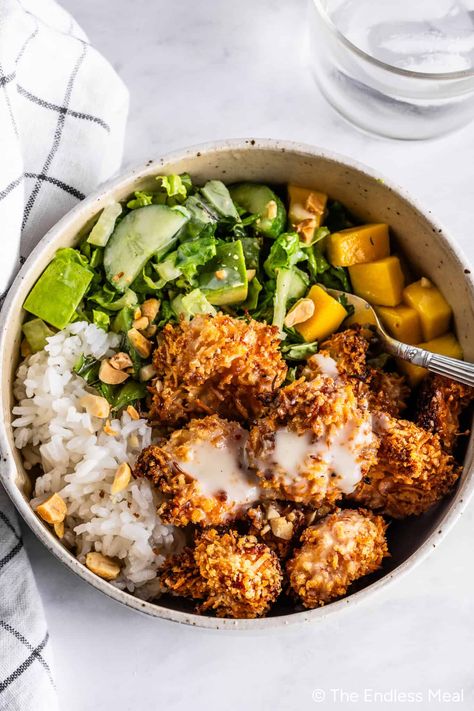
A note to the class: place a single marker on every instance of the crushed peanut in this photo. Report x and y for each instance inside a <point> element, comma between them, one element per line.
<point>221,274</point>
<point>141,323</point>
<point>95,405</point>
<point>141,344</point>
<point>133,412</point>
<point>110,375</point>
<point>25,349</point>
<point>121,479</point>
<point>271,210</point>
<point>137,313</point>
<point>314,204</point>
<point>251,274</point>
<point>425,283</point>
<point>146,373</point>
<point>109,430</point>
<point>150,309</point>
<point>102,566</point>
<point>59,529</point>
<point>281,528</point>
<point>300,312</point>
<point>120,361</point>
<point>150,331</point>
<point>306,229</point>
<point>272,512</point>
<point>53,509</point>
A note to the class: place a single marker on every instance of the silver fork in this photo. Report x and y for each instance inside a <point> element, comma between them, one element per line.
<point>450,367</point>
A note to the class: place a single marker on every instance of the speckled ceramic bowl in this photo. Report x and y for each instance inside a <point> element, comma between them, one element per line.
<point>428,247</point>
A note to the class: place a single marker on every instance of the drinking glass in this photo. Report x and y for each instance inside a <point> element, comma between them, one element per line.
<point>399,68</point>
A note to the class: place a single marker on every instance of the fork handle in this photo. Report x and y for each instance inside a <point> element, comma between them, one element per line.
<point>442,365</point>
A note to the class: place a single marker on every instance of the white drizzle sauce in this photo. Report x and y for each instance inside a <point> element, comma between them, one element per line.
<point>339,450</point>
<point>326,365</point>
<point>218,469</point>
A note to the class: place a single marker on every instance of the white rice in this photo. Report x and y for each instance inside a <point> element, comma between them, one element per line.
<point>79,460</point>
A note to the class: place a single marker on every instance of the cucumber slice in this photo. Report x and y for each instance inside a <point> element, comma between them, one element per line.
<point>261,200</point>
<point>224,278</point>
<point>290,284</point>
<point>217,194</point>
<point>141,233</point>
<point>103,228</point>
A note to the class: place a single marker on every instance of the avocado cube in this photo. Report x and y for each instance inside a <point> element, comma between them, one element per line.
<point>224,278</point>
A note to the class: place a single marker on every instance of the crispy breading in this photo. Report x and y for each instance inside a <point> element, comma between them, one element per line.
<point>335,552</point>
<point>219,364</point>
<point>186,501</point>
<point>180,575</point>
<point>439,406</point>
<point>235,576</point>
<point>384,391</point>
<point>325,411</point>
<point>280,523</point>
<point>412,471</point>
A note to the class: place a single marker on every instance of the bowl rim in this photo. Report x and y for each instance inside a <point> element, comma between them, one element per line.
<point>7,466</point>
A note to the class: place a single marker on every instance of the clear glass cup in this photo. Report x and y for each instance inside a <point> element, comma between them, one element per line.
<point>399,68</point>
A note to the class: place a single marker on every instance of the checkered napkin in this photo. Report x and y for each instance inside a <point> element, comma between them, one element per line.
<point>62,119</point>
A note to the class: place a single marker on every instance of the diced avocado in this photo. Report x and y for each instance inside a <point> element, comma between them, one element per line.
<point>217,194</point>
<point>36,332</point>
<point>103,228</point>
<point>202,215</point>
<point>59,291</point>
<point>261,200</point>
<point>224,278</point>
<point>254,290</point>
<point>142,233</point>
<point>251,247</point>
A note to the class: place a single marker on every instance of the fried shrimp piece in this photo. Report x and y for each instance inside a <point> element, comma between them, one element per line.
<point>335,552</point>
<point>200,471</point>
<point>439,406</point>
<point>412,471</point>
<point>236,576</point>
<point>217,364</point>
<point>316,443</point>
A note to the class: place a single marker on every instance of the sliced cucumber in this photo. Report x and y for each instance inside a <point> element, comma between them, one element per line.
<point>224,279</point>
<point>290,284</point>
<point>217,194</point>
<point>141,234</point>
<point>261,200</point>
<point>103,228</point>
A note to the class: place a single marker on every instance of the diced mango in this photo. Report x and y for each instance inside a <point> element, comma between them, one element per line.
<point>358,245</point>
<point>401,322</point>
<point>431,306</point>
<point>328,316</point>
<point>306,204</point>
<point>364,318</point>
<point>379,282</point>
<point>447,345</point>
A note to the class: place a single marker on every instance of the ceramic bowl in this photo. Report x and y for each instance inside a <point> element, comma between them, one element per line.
<point>429,249</point>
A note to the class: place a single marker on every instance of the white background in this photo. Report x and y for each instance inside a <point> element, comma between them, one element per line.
<point>198,71</point>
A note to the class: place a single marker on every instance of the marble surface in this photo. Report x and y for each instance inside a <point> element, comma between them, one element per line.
<point>215,69</point>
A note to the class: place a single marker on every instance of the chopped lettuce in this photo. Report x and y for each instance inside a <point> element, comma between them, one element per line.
<point>189,305</point>
<point>101,319</point>
<point>142,199</point>
<point>299,351</point>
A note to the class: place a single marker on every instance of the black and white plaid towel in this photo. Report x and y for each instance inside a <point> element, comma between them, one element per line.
<point>62,119</point>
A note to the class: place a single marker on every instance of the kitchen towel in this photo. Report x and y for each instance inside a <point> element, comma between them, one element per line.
<point>62,119</point>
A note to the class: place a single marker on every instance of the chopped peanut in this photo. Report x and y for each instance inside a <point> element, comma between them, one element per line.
<point>221,274</point>
<point>281,528</point>
<point>250,274</point>
<point>272,513</point>
<point>146,373</point>
<point>141,323</point>
<point>53,510</point>
<point>133,412</point>
<point>59,529</point>
<point>141,344</point>
<point>110,375</point>
<point>120,361</point>
<point>301,312</point>
<point>150,331</point>
<point>121,479</point>
<point>150,309</point>
<point>25,349</point>
<point>137,313</point>
<point>102,566</point>
<point>306,229</point>
<point>271,210</point>
<point>425,283</point>
<point>95,405</point>
<point>109,430</point>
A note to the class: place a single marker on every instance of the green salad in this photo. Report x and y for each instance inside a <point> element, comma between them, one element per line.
<point>184,250</point>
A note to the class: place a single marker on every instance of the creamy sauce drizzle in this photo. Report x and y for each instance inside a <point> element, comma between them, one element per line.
<point>326,365</point>
<point>340,451</point>
<point>218,470</point>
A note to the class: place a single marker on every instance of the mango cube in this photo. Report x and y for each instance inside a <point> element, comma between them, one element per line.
<point>380,282</point>
<point>328,316</point>
<point>431,306</point>
<point>358,245</point>
<point>363,317</point>
<point>447,345</point>
<point>402,322</point>
<point>306,204</point>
